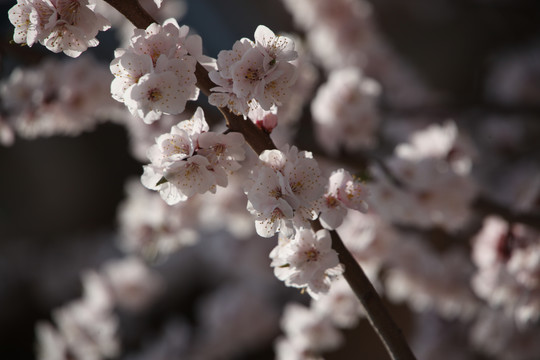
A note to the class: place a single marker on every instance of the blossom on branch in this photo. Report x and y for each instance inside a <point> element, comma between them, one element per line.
<point>306,261</point>
<point>284,190</point>
<point>343,192</point>
<point>155,74</point>
<point>189,160</point>
<point>254,73</point>
<point>68,26</point>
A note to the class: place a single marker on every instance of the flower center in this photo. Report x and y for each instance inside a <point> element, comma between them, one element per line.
<point>252,74</point>
<point>312,255</point>
<point>154,95</point>
<point>331,201</point>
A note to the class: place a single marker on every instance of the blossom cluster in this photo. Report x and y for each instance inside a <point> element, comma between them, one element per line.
<point>285,187</point>
<point>427,182</point>
<point>344,111</point>
<point>36,103</point>
<point>338,27</point>
<point>343,192</point>
<point>87,328</point>
<point>306,261</point>
<point>508,267</point>
<point>61,26</point>
<point>310,332</point>
<point>190,160</point>
<point>155,74</point>
<point>254,73</point>
<point>287,191</point>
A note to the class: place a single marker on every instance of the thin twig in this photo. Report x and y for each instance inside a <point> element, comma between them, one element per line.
<point>379,318</point>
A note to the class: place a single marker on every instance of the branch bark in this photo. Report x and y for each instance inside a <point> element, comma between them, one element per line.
<point>389,333</point>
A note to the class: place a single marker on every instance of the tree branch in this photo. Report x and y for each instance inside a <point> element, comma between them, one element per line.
<point>133,11</point>
<point>389,333</point>
<point>379,318</point>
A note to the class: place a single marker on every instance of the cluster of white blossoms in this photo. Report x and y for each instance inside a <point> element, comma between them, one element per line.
<point>70,26</point>
<point>434,186</point>
<point>306,261</point>
<point>152,229</point>
<point>507,257</point>
<point>254,73</point>
<point>310,332</point>
<point>190,160</point>
<point>155,74</point>
<point>307,334</point>
<point>343,192</point>
<point>87,328</point>
<point>344,111</point>
<point>36,103</point>
<point>338,31</point>
<point>286,191</point>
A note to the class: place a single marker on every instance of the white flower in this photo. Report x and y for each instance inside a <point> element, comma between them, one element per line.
<point>254,73</point>
<point>88,325</point>
<point>227,58</point>
<point>343,192</point>
<point>157,40</point>
<point>189,160</point>
<point>51,345</point>
<point>307,261</point>
<point>437,185</point>
<point>155,75</point>
<point>248,74</point>
<point>75,28</point>
<point>133,284</point>
<point>285,186</point>
<point>340,304</point>
<point>191,176</point>
<point>153,229</point>
<point>309,330</point>
<point>154,94</point>
<point>287,350</point>
<point>223,150</point>
<point>344,111</point>
<point>29,18</point>
<point>275,49</point>
<point>127,68</point>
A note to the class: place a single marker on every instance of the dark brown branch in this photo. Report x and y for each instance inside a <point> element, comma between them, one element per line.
<point>387,330</point>
<point>383,324</point>
<point>133,11</point>
<point>257,139</point>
